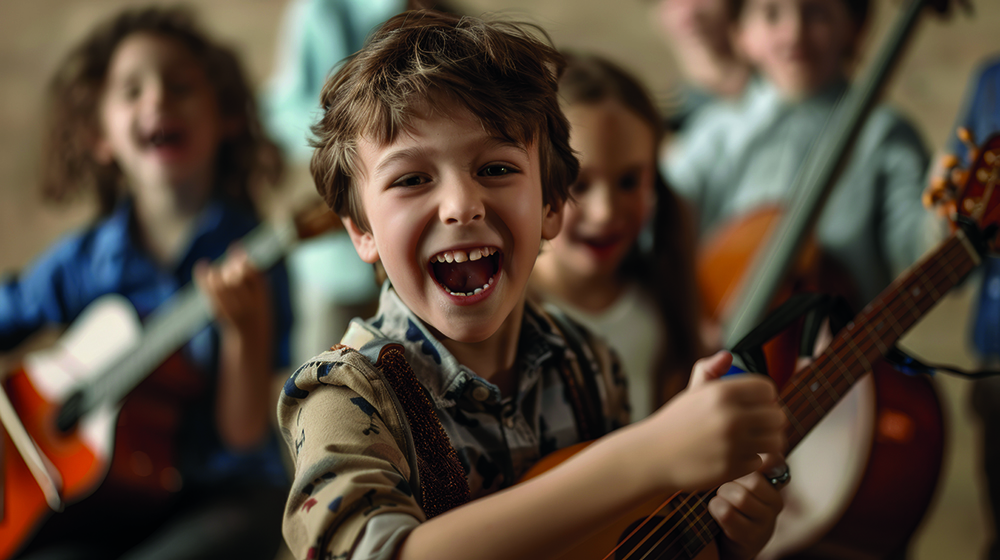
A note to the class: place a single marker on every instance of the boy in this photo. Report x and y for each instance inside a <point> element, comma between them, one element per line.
<point>737,157</point>
<point>443,149</point>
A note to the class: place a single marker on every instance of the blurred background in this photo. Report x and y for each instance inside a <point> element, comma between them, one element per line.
<point>928,87</point>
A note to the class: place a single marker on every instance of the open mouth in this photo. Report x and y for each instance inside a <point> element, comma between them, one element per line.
<point>163,138</point>
<point>466,272</point>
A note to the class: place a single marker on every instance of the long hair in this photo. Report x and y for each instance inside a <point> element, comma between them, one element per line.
<point>74,122</point>
<point>664,268</point>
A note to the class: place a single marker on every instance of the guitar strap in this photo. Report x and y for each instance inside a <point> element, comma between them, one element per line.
<point>443,485</point>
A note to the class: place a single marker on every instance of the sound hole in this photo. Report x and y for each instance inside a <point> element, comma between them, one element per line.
<point>654,540</point>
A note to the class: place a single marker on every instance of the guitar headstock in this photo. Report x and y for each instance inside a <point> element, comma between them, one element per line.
<point>315,219</point>
<point>972,193</point>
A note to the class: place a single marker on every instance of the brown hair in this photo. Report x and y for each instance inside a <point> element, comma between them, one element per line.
<point>666,269</point>
<point>74,99</point>
<point>501,73</point>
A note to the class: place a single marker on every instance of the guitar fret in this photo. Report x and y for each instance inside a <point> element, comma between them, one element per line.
<point>861,355</point>
<point>793,420</point>
<point>930,287</point>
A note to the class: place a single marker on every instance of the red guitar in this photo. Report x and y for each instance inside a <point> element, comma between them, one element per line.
<point>94,415</point>
<point>680,527</point>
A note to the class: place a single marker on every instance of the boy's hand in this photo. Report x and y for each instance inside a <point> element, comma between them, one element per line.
<point>713,432</point>
<point>747,508</point>
<point>238,294</point>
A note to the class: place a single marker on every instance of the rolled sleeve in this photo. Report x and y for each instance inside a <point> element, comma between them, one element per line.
<point>352,495</point>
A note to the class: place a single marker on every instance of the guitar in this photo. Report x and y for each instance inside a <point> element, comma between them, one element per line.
<point>680,526</point>
<point>96,411</point>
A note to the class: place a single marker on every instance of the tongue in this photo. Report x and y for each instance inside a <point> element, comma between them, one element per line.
<point>464,277</point>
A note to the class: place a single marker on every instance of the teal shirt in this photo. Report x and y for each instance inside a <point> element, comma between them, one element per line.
<point>738,156</point>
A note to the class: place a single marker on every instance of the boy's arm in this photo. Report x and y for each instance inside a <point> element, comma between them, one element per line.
<point>351,496</point>
<point>241,301</point>
<point>699,440</point>
<point>908,229</point>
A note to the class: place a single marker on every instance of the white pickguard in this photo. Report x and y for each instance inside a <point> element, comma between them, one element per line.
<point>105,330</point>
<point>827,467</point>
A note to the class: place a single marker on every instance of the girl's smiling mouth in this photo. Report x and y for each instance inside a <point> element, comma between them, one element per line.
<point>466,272</point>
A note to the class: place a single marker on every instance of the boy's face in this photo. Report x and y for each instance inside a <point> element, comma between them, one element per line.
<point>456,218</point>
<point>800,45</point>
<point>159,116</point>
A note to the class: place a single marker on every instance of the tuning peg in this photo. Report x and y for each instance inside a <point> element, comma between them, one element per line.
<point>967,138</point>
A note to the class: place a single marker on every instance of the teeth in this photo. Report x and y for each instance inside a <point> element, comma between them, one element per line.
<point>463,256</point>
<point>472,293</point>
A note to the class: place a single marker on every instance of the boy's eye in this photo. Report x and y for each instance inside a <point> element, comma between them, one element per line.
<point>578,188</point>
<point>497,170</point>
<point>410,181</point>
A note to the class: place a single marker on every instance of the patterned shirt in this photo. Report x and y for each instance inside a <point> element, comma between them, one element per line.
<point>354,491</point>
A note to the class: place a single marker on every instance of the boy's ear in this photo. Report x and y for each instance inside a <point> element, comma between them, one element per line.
<point>551,220</point>
<point>364,242</point>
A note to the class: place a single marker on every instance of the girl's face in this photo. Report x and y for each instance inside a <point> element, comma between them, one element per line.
<point>614,194</point>
<point>800,45</point>
<point>159,115</point>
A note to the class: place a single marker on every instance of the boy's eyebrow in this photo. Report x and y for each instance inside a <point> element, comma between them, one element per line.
<point>407,153</point>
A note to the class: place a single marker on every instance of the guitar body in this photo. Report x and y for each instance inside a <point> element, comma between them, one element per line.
<point>119,459</point>
<point>599,544</point>
<point>865,475</point>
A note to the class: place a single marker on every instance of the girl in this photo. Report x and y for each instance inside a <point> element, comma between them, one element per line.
<point>623,261</point>
<point>159,122</point>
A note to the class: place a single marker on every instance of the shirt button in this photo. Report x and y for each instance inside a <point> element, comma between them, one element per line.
<point>480,393</point>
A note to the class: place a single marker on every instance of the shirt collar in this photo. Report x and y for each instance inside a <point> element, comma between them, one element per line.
<point>447,381</point>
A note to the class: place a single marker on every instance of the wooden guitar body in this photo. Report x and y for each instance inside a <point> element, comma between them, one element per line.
<point>865,475</point>
<point>620,534</point>
<point>116,457</point>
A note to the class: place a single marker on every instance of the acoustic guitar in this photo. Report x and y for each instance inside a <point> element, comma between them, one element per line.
<point>680,527</point>
<point>93,415</point>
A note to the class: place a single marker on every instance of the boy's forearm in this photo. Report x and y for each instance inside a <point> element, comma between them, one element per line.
<point>542,517</point>
<point>244,397</point>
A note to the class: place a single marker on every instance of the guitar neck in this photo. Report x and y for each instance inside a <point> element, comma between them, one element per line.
<point>811,393</point>
<point>814,391</point>
<point>177,321</point>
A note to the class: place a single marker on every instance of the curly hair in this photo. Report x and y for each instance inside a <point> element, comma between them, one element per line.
<point>503,75</point>
<point>73,126</point>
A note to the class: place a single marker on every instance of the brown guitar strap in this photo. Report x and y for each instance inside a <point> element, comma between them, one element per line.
<point>443,485</point>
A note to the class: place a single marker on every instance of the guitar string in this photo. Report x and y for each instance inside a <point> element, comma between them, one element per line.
<point>932,266</point>
<point>799,399</point>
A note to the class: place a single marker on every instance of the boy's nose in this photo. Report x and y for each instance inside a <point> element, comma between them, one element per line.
<point>461,202</point>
